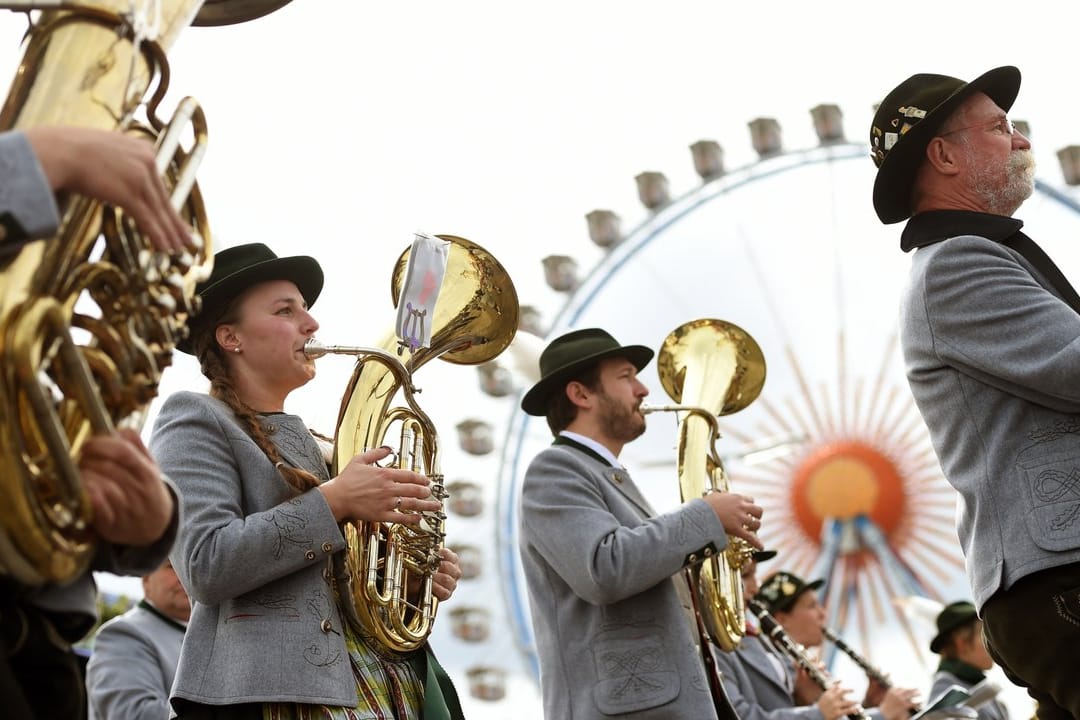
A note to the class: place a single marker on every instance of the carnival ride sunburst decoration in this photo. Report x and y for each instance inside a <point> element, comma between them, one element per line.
<point>861,501</point>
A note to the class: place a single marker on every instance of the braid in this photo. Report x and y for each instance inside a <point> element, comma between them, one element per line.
<point>213,367</point>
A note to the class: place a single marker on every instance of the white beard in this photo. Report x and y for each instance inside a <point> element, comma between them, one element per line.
<point>1004,198</point>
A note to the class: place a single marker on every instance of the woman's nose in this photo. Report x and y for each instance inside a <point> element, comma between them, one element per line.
<point>312,325</point>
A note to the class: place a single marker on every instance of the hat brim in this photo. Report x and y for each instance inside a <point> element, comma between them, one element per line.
<point>535,401</point>
<point>760,556</point>
<point>943,635</point>
<point>302,270</point>
<point>895,177</point>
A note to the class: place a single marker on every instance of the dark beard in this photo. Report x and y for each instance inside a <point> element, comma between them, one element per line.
<point>620,423</point>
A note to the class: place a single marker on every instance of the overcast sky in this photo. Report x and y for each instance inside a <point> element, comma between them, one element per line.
<point>340,127</point>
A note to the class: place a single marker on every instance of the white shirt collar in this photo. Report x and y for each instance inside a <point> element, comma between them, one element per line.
<point>596,447</point>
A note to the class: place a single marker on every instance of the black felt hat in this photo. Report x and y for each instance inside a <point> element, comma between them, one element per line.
<point>910,116</point>
<point>238,268</point>
<point>781,589</point>
<point>953,616</point>
<point>571,352</point>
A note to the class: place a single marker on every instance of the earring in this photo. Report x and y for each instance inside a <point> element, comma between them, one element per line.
<point>236,350</point>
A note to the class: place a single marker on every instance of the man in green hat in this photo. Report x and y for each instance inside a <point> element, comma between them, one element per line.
<point>990,332</point>
<point>964,659</point>
<point>612,613</point>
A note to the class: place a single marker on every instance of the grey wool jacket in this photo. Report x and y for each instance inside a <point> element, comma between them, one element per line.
<point>612,634</point>
<point>942,681</point>
<point>256,559</point>
<point>993,360</point>
<point>754,686</point>
<point>131,669</point>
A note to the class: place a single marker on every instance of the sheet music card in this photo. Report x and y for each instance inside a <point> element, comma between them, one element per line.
<point>420,292</point>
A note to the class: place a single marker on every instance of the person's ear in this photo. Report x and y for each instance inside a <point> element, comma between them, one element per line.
<point>943,156</point>
<point>226,338</point>
<point>578,394</point>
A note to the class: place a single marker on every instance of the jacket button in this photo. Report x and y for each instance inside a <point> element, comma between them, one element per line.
<point>326,626</point>
<point>327,547</point>
<point>310,554</point>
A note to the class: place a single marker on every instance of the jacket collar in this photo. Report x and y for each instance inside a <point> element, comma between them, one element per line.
<point>616,474</point>
<point>764,661</point>
<point>933,226</point>
<point>145,605</point>
<point>959,668</point>
<point>588,446</point>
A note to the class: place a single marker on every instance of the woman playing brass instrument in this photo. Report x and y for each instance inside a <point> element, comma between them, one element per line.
<point>261,546</point>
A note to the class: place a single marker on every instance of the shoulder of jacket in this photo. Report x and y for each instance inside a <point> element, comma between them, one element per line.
<point>185,401</point>
<point>566,455</point>
<point>960,244</point>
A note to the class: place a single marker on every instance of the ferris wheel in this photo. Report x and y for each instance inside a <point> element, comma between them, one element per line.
<point>789,249</point>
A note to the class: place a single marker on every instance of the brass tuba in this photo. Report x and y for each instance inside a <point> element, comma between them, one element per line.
<point>89,319</point>
<point>476,317</point>
<point>711,368</point>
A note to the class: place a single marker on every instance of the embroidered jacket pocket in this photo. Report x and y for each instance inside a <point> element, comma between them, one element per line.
<point>634,670</point>
<point>1051,473</point>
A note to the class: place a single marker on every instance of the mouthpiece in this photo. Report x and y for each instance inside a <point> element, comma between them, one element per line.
<point>315,350</point>
<point>646,408</point>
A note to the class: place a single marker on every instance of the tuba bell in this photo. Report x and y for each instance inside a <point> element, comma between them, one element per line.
<point>475,319</point>
<point>711,368</point>
<point>89,319</point>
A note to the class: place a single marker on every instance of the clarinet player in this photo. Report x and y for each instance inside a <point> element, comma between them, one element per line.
<point>759,680</point>
<point>795,606</point>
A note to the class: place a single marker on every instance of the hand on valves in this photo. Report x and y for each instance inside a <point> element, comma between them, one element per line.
<point>738,514</point>
<point>366,492</point>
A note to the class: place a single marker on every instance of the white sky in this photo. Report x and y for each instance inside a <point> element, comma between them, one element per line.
<point>339,127</point>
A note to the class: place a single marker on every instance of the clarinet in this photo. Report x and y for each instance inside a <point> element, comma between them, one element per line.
<point>871,672</point>
<point>794,650</point>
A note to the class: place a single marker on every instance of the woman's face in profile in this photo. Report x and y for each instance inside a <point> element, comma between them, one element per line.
<point>272,328</point>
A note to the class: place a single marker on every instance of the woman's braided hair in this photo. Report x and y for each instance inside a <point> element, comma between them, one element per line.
<point>212,363</point>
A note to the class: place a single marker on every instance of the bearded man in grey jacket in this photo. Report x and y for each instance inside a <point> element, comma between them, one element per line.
<point>610,606</point>
<point>990,331</point>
